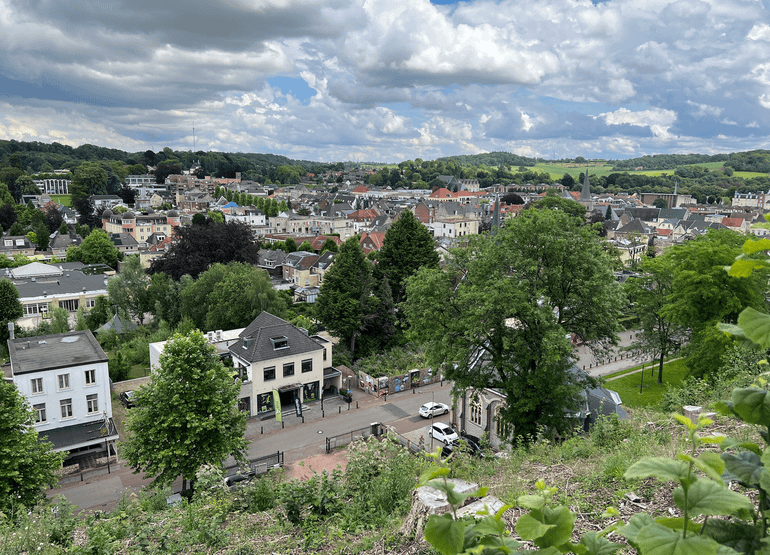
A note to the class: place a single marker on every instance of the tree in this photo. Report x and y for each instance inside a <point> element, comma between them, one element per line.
<point>128,289</point>
<point>344,302</point>
<point>95,249</point>
<point>408,246</point>
<point>199,247</point>
<point>290,245</point>
<point>704,294</point>
<point>41,236</point>
<point>660,203</point>
<point>230,296</point>
<point>187,416</point>
<point>305,246</point>
<point>10,307</point>
<point>553,202</point>
<point>27,464</point>
<point>499,314</point>
<point>163,298</point>
<point>89,178</point>
<point>329,245</point>
<point>650,292</point>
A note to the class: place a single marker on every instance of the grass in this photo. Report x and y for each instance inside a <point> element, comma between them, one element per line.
<point>65,200</point>
<point>652,393</point>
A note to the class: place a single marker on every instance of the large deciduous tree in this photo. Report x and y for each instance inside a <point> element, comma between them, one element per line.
<point>187,416</point>
<point>200,246</point>
<point>95,249</point>
<point>128,289</point>
<point>704,295</point>
<point>10,307</point>
<point>650,292</point>
<point>499,314</point>
<point>230,296</point>
<point>345,300</point>
<point>27,465</point>
<point>408,246</point>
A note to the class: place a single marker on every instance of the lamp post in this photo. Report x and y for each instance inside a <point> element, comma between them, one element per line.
<point>432,408</point>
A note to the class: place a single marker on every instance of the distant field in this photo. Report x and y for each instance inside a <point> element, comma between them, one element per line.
<point>66,200</point>
<point>748,175</point>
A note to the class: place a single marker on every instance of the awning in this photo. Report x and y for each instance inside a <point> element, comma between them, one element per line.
<point>291,387</point>
<point>77,436</point>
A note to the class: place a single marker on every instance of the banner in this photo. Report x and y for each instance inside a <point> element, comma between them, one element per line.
<point>277,403</point>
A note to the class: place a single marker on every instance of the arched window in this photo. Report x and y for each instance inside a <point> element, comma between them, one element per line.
<point>502,429</point>
<point>475,409</point>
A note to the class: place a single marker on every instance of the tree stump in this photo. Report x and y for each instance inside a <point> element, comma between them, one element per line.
<point>428,501</point>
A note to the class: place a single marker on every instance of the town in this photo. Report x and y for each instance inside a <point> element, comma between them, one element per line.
<point>345,298</point>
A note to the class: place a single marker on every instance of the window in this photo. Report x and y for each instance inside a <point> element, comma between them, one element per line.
<point>90,303</point>
<point>288,370</point>
<point>92,402</point>
<point>66,408</point>
<point>324,354</point>
<point>35,308</point>
<point>307,365</point>
<point>64,381</point>
<point>280,342</point>
<point>39,412</point>
<point>90,377</point>
<point>37,385</point>
<point>70,304</point>
<point>475,407</point>
<point>269,373</point>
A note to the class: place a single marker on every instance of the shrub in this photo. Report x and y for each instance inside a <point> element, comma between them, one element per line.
<point>610,431</point>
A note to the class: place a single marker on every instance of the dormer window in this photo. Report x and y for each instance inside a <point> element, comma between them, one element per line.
<point>280,342</point>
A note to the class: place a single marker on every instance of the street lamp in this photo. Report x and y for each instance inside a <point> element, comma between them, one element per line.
<point>432,409</point>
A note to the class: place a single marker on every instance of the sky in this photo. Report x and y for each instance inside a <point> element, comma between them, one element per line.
<point>389,80</point>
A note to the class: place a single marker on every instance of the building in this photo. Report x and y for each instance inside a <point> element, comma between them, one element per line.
<point>44,287</point>
<point>53,186</point>
<point>66,380</point>
<point>282,364</point>
<point>140,226</point>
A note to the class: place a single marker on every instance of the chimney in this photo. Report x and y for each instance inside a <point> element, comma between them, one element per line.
<point>10,330</point>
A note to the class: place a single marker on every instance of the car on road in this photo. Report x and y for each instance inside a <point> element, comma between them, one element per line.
<point>127,399</point>
<point>443,432</point>
<point>433,409</point>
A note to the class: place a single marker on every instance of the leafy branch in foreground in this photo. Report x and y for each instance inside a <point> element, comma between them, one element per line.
<point>548,525</point>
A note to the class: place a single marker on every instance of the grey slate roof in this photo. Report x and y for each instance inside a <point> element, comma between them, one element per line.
<point>255,342</point>
<point>51,352</point>
<point>70,283</point>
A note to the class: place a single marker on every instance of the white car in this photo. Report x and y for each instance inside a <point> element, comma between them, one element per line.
<point>433,409</point>
<point>443,432</point>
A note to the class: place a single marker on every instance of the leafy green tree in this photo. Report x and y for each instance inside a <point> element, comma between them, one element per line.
<point>16,229</point>
<point>95,249</point>
<point>163,298</point>
<point>305,246</point>
<point>290,245</point>
<point>187,416</point>
<point>64,228</point>
<point>10,307</point>
<point>650,292</point>
<point>660,203</point>
<point>408,246</point>
<point>344,302</point>
<point>89,178</point>
<point>553,202</point>
<point>499,314</point>
<point>230,296</point>
<point>42,240</point>
<point>704,294</point>
<point>329,245</point>
<point>128,289</point>
<point>27,465</point>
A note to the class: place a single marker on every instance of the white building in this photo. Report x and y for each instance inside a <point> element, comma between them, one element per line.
<point>65,379</point>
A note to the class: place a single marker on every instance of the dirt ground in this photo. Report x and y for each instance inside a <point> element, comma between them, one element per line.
<point>304,469</point>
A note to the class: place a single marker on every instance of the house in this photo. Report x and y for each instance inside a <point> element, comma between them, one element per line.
<point>66,380</point>
<point>281,365</point>
<point>478,411</point>
<point>13,245</point>
<point>43,287</point>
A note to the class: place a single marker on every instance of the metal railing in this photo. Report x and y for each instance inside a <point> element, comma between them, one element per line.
<point>349,437</point>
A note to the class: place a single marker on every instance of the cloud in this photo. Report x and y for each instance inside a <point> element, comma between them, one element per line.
<point>402,78</point>
<point>658,121</point>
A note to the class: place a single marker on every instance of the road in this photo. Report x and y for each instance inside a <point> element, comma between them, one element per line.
<point>296,439</point>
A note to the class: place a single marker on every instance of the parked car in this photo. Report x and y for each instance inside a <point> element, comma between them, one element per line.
<point>433,409</point>
<point>127,399</point>
<point>443,432</point>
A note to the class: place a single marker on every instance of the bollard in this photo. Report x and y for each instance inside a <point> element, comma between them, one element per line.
<point>348,406</point>
<point>261,429</point>
<point>413,391</point>
<point>282,424</point>
<point>323,415</point>
<point>356,404</point>
<point>340,409</point>
<point>303,418</point>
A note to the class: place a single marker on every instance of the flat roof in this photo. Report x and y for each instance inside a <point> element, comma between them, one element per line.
<point>51,352</point>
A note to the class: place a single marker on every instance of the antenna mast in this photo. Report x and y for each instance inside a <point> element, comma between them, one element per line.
<point>194,149</point>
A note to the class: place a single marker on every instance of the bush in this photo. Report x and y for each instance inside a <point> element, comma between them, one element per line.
<point>693,391</point>
<point>609,431</point>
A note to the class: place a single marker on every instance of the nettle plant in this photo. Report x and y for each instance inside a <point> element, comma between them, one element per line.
<point>548,525</point>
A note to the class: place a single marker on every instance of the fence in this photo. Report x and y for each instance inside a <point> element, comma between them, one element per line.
<point>260,465</point>
<point>349,437</point>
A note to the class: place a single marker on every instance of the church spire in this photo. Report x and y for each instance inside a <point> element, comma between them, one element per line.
<point>585,194</point>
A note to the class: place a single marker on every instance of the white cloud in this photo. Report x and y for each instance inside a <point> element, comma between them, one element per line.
<point>659,121</point>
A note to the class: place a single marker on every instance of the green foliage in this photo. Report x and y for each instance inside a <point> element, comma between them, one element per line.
<point>230,296</point>
<point>95,249</point>
<point>609,431</point>
<point>10,307</point>
<point>393,362</point>
<point>498,315</point>
<point>27,465</point>
<point>187,416</point>
<point>128,290</point>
